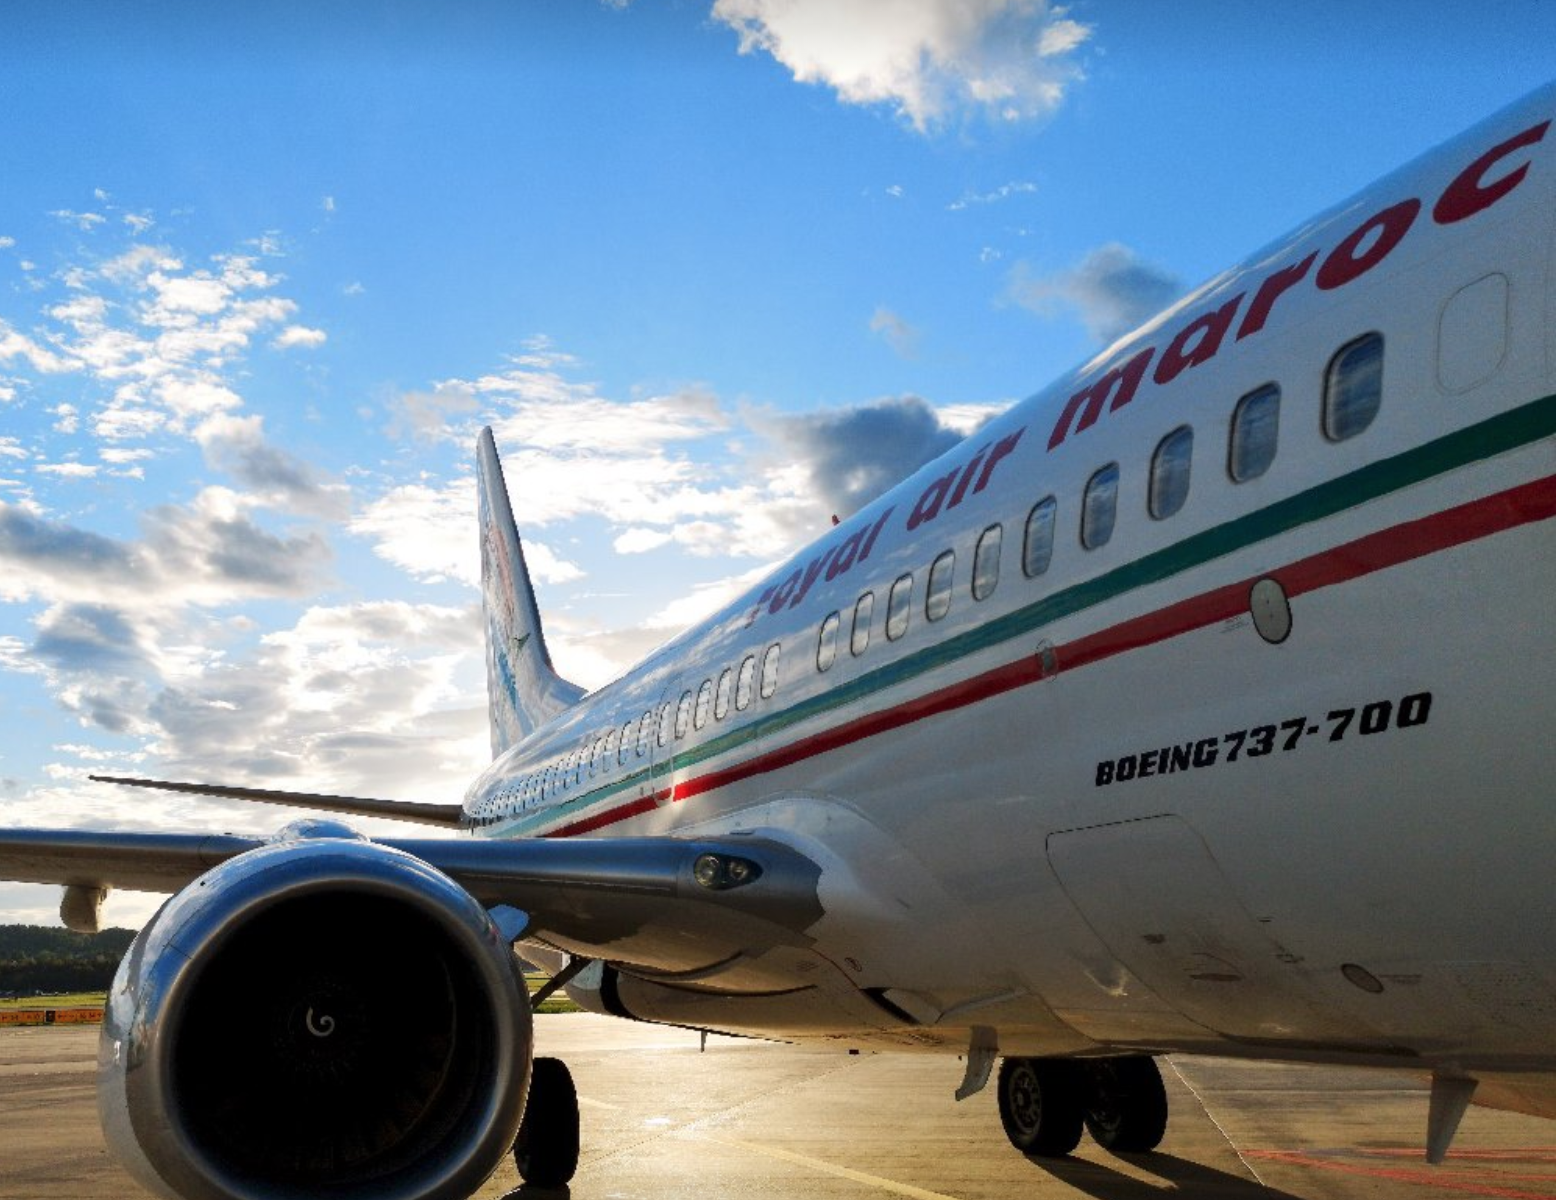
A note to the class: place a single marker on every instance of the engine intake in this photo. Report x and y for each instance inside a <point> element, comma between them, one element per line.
<point>323,1016</point>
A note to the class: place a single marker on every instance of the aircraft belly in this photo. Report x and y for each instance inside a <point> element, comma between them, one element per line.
<point>1153,893</point>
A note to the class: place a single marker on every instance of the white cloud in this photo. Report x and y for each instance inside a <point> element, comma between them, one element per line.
<point>208,552</point>
<point>363,699</point>
<point>899,335</point>
<point>84,221</point>
<point>431,532</point>
<point>69,419</point>
<point>1112,290</point>
<point>68,470</point>
<point>7,242</point>
<point>278,478</point>
<point>965,418</point>
<point>14,345</point>
<point>639,540</point>
<point>118,456</point>
<point>299,335</point>
<point>1061,36</point>
<point>1004,192</point>
<point>187,398</point>
<point>1010,59</point>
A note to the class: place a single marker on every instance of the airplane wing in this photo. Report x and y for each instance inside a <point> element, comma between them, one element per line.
<point>659,903</point>
<point>448,815</point>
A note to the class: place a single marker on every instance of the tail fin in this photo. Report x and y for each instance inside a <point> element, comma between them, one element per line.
<point>523,689</point>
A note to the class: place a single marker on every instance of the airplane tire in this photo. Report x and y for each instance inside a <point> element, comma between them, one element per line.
<point>1126,1107</point>
<point>1041,1107</point>
<point>546,1150</point>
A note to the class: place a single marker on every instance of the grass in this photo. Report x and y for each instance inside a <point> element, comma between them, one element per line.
<point>556,1003</point>
<point>68,1000</point>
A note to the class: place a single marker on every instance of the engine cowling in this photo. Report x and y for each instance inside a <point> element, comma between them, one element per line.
<point>319,1016</point>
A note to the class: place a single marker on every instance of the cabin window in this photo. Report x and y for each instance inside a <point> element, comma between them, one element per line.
<point>704,703</point>
<point>770,671</point>
<point>899,602</point>
<point>624,748</point>
<point>610,750</point>
<point>1170,469</point>
<point>666,723</point>
<point>859,639</point>
<point>1255,432</point>
<point>645,732</point>
<point>746,683</point>
<point>1100,508</point>
<point>986,562</point>
<point>683,714</point>
<point>1353,387</point>
<point>1038,550</point>
<point>722,696</point>
<point>826,644</point>
<point>937,597</point>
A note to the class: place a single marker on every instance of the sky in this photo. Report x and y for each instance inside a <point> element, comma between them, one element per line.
<point>713,271</point>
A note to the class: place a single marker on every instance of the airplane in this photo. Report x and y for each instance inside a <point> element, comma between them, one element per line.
<point>1198,704</point>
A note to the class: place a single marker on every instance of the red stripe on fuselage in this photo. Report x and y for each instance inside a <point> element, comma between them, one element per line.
<point>1377,551</point>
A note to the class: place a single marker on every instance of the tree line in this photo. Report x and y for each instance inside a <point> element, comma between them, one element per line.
<point>36,959</point>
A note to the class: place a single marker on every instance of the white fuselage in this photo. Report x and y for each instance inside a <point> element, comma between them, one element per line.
<point>1110,804</point>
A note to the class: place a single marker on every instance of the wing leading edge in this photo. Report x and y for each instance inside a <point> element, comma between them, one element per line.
<point>643,901</point>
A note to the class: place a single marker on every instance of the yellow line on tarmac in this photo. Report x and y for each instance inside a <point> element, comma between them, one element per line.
<point>816,1164</point>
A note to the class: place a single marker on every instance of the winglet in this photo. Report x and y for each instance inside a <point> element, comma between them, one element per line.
<point>523,688</point>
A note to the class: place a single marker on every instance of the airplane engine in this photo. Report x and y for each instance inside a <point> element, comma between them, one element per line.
<point>319,1016</point>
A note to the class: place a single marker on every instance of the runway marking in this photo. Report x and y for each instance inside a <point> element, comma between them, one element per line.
<point>1439,1178</point>
<point>1511,1154</point>
<point>817,1164</point>
<point>586,1102</point>
<point>1221,1129</point>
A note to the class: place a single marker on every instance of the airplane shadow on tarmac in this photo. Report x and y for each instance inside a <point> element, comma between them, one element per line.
<point>1176,1174</point>
<point>1094,1179</point>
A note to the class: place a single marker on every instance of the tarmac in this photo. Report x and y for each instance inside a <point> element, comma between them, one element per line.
<point>664,1120</point>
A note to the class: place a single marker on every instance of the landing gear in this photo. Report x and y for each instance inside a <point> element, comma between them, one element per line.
<point>1040,1105</point>
<point>546,1150</point>
<point>1126,1105</point>
<point>1044,1102</point>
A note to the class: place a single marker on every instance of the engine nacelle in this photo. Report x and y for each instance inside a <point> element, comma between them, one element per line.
<point>323,1016</point>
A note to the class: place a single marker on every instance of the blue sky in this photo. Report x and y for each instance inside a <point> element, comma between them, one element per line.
<point>714,271</point>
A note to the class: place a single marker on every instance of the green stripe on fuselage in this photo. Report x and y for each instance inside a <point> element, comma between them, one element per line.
<point>1497,435</point>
